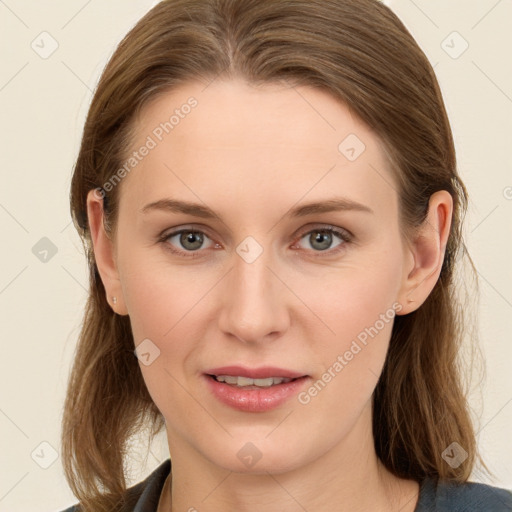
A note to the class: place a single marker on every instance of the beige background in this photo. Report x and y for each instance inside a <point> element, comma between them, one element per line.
<point>43,104</point>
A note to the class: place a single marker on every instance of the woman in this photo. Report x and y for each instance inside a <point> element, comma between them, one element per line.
<point>268,197</point>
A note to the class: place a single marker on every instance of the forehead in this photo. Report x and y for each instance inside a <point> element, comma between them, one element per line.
<point>234,141</point>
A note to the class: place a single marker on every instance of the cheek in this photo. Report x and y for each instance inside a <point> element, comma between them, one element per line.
<point>353,299</point>
<point>158,295</point>
<point>357,309</point>
<point>169,306</point>
<point>163,307</point>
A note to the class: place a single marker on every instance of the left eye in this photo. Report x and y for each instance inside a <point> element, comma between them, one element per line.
<point>322,239</point>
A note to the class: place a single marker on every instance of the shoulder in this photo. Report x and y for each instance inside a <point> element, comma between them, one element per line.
<point>440,496</point>
<point>143,496</point>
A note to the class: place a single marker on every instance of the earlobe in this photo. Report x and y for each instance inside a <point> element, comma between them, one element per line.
<point>104,256</point>
<point>428,250</point>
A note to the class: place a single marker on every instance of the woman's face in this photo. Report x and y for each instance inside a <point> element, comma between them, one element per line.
<point>259,282</point>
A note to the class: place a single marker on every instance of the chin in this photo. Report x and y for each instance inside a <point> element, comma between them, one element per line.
<point>260,458</point>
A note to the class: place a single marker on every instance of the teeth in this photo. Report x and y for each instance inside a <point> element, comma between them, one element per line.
<point>245,381</point>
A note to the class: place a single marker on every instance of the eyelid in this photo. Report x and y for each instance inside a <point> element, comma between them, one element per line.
<point>342,232</point>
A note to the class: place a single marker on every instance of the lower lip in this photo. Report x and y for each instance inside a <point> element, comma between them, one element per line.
<point>255,400</point>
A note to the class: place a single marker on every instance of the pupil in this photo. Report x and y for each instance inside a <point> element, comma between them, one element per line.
<point>189,238</point>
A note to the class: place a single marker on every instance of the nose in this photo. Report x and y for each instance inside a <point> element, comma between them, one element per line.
<point>255,302</point>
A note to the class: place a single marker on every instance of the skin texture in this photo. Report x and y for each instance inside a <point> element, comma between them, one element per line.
<point>251,154</point>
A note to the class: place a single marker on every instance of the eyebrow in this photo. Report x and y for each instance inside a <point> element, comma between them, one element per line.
<point>198,210</point>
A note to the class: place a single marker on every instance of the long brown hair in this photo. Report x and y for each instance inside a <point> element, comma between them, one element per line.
<point>359,52</point>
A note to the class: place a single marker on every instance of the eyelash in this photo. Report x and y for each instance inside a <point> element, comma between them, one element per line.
<point>343,234</point>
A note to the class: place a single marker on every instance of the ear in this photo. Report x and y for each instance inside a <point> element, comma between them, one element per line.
<point>104,252</point>
<point>427,251</point>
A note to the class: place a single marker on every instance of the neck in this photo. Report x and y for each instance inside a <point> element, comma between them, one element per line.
<point>348,477</point>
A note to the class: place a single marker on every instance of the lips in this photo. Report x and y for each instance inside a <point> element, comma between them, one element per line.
<point>254,373</point>
<point>255,398</point>
<point>262,397</point>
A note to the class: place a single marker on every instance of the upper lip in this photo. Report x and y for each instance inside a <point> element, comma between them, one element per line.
<point>254,373</point>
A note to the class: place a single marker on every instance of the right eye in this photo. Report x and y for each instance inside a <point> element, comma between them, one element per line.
<point>189,241</point>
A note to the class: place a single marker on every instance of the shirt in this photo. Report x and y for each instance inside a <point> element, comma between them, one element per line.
<point>435,496</point>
